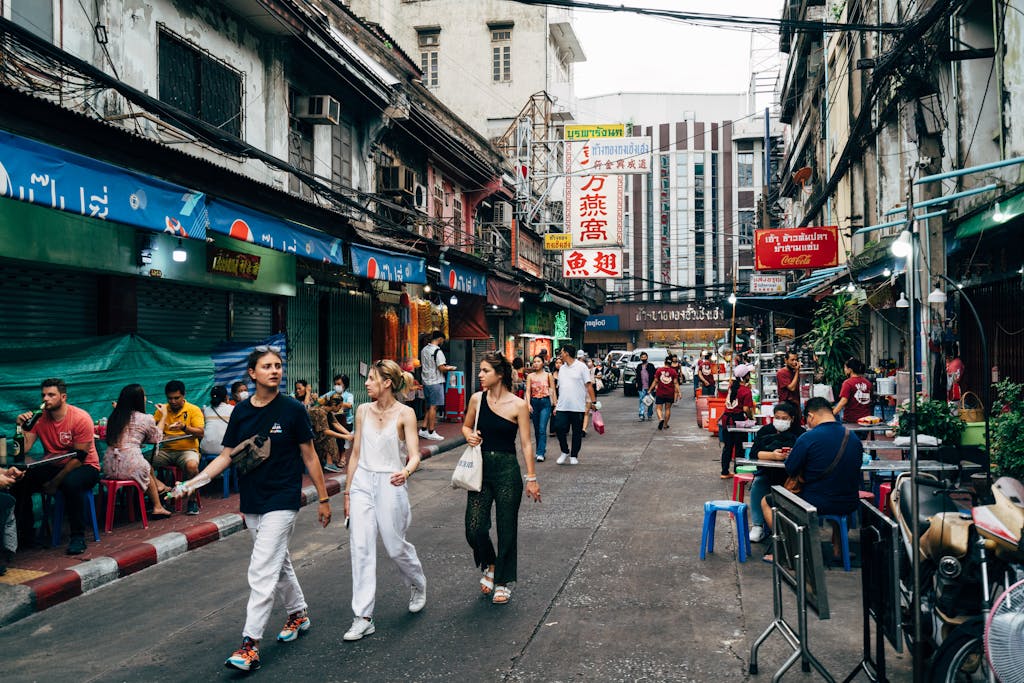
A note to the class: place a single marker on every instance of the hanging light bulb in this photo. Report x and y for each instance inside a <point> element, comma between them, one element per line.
<point>998,216</point>
<point>308,280</point>
<point>521,299</point>
<point>732,299</point>
<point>902,301</point>
<point>901,247</point>
<point>887,272</point>
<point>179,254</point>
<point>851,288</point>
<point>454,301</point>
<point>937,296</point>
<point>426,289</point>
<point>494,307</point>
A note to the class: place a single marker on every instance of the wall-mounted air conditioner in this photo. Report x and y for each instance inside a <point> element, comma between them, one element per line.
<point>319,109</point>
<point>420,197</point>
<point>503,213</point>
<point>397,180</point>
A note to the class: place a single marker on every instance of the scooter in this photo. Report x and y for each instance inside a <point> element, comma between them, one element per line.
<point>967,555</point>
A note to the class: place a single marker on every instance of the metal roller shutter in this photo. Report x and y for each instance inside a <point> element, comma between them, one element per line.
<point>304,335</point>
<point>41,304</point>
<point>182,317</point>
<point>350,336</point>
<point>253,317</point>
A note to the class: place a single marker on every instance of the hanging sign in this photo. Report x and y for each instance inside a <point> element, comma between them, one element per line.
<point>593,209</point>
<point>592,263</point>
<point>557,241</point>
<point>249,225</point>
<point>796,248</point>
<point>601,130</point>
<point>609,156</point>
<point>232,263</point>
<point>767,284</point>
<point>462,279</point>
<point>377,264</point>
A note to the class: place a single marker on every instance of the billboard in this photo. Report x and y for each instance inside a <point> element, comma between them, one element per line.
<point>796,248</point>
<point>614,155</point>
<point>590,131</point>
<point>593,209</point>
<point>592,263</point>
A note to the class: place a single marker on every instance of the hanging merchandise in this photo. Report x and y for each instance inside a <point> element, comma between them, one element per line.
<point>410,335</point>
<point>391,333</point>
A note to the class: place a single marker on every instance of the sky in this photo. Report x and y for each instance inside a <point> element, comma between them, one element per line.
<point>675,57</point>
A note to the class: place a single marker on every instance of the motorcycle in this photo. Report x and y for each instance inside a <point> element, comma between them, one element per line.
<point>967,556</point>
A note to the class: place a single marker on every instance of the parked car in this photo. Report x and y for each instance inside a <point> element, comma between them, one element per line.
<point>656,356</point>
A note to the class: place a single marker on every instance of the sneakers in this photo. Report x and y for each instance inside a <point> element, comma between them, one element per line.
<point>298,622</point>
<point>77,545</point>
<point>574,461</point>
<point>193,506</point>
<point>540,458</point>
<point>417,598</point>
<point>562,459</point>
<point>434,436</point>
<point>361,627</point>
<point>756,533</point>
<point>331,467</point>
<point>424,434</point>
<point>245,658</point>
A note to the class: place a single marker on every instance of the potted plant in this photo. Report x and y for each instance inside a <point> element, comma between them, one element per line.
<point>1007,430</point>
<point>835,337</point>
<point>934,418</point>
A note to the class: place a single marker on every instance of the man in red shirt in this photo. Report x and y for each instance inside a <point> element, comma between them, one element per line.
<point>855,395</point>
<point>665,388</point>
<point>788,379</point>
<point>706,375</point>
<point>61,428</point>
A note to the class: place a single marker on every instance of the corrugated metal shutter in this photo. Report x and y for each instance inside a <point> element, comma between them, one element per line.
<point>304,335</point>
<point>351,341</point>
<point>182,317</point>
<point>254,317</point>
<point>41,304</point>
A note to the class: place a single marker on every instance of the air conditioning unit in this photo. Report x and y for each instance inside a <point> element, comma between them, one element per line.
<point>420,197</point>
<point>503,213</point>
<point>397,180</point>
<point>319,109</point>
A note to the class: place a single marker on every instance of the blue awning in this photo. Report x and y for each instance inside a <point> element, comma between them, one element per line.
<point>377,264</point>
<point>249,225</point>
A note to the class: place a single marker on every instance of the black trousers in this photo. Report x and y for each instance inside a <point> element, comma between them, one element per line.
<point>563,421</point>
<point>503,489</point>
<point>732,446</point>
<point>74,486</point>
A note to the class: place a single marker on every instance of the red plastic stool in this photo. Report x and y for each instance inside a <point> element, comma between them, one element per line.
<point>883,496</point>
<point>179,503</point>
<point>739,485</point>
<point>866,495</point>
<point>112,486</point>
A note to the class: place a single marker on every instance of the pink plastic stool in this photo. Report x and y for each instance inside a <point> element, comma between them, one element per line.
<point>883,496</point>
<point>866,495</point>
<point>112,487</point>
<point>739,484</point>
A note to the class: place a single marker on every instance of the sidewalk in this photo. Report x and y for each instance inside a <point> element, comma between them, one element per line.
<point>40,578</point>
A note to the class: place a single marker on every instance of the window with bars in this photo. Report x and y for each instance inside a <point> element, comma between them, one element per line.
<point>501,55</point>
<point>341,153</point>
<point>198,84</point>
<point>430,52</point>
<point>300,148</point>
<point>457,214</point>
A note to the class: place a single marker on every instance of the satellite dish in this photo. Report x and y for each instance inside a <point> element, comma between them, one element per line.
<point>802,175</point>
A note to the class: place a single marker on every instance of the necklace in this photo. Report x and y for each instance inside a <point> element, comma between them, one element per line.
<point>382,413</point>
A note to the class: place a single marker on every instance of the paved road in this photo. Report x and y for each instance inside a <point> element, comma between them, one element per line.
<point>610,589</point>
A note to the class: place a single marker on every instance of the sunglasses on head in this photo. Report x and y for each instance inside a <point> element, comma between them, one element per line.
<point>263,348</point>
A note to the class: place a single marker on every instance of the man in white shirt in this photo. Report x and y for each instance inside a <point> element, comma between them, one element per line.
<point>575,397</point>
<point>433,366</point>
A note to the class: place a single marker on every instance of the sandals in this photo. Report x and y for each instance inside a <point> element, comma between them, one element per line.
<point>487,582</point>
<point>502,594</point>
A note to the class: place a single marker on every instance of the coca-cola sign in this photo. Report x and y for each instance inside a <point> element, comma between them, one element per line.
<point>796,248</point>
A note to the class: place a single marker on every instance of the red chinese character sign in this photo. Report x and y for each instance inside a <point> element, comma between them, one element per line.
<point>592,263</point>
<point>796,248</point>
<point>593,203</point>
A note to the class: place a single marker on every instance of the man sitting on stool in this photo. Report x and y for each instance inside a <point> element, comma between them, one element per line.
<point>183,419</point>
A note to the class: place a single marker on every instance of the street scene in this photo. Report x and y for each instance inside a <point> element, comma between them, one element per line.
<point>520,340</point>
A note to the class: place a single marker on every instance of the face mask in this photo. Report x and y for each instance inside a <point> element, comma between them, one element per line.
<point>242,395</point>
<point>781,425</point>
<point>339,388</point>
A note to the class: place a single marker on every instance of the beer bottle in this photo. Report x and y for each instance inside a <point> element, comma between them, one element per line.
<point>18,447</point>
<point>31,422</point>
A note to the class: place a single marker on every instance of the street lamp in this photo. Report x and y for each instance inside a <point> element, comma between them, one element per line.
<point>901,248</point>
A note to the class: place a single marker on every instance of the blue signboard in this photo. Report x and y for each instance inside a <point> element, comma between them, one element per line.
<point>56,178</point>
<point>377,264</point>
<point>235,220</point>
<point>462,279</point>
<point>602,323</point>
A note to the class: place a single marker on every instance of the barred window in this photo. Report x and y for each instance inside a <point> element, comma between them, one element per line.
<point>198,84</point>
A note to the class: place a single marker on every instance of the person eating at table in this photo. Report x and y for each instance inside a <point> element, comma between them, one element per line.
<point>183,419</point>
<point>772,442</point>
<point>60,428</point>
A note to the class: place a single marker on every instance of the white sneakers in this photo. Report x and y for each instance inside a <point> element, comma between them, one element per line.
<point>361,627</point>
<point>433,436</point>
<point>757,533</point>
<point>417,598</point>
<point>562,459</point>
<point>574,461</point>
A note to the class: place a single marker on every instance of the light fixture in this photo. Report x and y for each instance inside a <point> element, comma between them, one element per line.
<point>887,272</point>
<point>1020,271</point>
<point>851,288</point>
<point>937,296</point>
<point>521,299</point>
<point>308,280</point>
<point>454,301</point>
<point>494,306</point>
<point>902,301</point>
<point>901,247</point>
<point>179,254</point>
<point>426,289</point>
<point>732,299</point>
<point>959,285</point>
<point>998,216</point>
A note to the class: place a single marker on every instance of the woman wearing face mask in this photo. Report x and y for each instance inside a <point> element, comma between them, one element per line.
<point>239,392</point>
<point>772,442</point>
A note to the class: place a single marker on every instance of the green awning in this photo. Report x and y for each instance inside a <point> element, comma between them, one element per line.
<point>1009,209</point>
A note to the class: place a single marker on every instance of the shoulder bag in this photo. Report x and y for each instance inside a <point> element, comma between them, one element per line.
<point>255,450</point>
<point>795,482</point>
<point>469,470</point>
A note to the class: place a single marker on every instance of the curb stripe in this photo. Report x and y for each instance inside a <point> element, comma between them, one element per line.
<point>169,545</point>
<point>55,588</point>
<point>201,534</point>
<point>96,572</point>
<point>135,558</point>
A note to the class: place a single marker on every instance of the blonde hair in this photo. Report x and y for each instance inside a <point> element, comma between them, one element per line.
<point>408,382</point>
<point>389,369</point>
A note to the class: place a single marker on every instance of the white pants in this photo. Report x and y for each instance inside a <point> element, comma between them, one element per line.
<point>377,505</point>
<point>270,569</point>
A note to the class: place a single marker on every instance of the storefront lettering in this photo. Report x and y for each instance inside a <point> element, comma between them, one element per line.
<point>688,312</point>
<point>233,263</point>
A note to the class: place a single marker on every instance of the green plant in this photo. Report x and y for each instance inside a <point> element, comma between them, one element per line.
<point>1007,425</point>
<point>835,337</point>
<point>934,419</point>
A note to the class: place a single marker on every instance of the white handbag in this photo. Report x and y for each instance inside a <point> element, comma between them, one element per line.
<point>469,470</point>
<point>648,400</point>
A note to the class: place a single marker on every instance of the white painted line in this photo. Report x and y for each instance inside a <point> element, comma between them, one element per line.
<point>169,545</point>
<point>96,572</point>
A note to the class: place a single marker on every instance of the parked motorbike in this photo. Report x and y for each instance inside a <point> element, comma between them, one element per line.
<point>967,556</point>
<point>611,375</point>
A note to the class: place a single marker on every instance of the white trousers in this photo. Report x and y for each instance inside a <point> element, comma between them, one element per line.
<point>270,569</point>
<point>377,505</point>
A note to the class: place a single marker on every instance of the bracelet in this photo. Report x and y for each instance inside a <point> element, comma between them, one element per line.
<point>406,472</point>
<point>325,500</point>
<point>346,493</point>
<point>529,478</point>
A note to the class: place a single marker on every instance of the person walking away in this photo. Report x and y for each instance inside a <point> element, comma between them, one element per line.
<point>60,428</point>
<point>554,366</point>
<point>270,496</point>
<point>739,405</point>
<point>855,394</point>
<point>592,370</point>
<point>706,375</point>
<point>181,419</point>
<point>828,456</point>
<point>788,380</point>
<point>502,416</point>
<point>665,390</point>
<point>642,381</point>
<point>128,427</point>
<point>543,399</point>
<point>377,497</point>
<point>772,442</point>
<point>433,366</point>
<point>575,397</point>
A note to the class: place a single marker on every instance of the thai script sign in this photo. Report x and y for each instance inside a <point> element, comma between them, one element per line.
<point>557,241</point>
<point>377,264</point>
<point>232,263</point>
<point>587,132</point>
<point>592,263</point>
<point>796,248</point>
<point>462,279</point>
<point>681,313</point>
<point>243,223</point>
<point>767,284</point>
<point>614,155</point>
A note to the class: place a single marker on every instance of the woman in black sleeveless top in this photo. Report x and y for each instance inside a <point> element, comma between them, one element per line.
<point>503,415</point>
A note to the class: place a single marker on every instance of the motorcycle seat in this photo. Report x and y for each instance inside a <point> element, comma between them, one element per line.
<point>931,501</point>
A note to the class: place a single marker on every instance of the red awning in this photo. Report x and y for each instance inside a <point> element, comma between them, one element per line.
<point>503,293</point>
<point>466,319</point>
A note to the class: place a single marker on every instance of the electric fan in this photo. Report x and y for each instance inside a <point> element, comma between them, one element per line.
<point>1004,635</point>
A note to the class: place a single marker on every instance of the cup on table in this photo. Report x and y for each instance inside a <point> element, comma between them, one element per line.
<point>785,450</point>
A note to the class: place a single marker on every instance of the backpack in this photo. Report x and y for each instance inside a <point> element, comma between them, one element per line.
<point>417,372</point>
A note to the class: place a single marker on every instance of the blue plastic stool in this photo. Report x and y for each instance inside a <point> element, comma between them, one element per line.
<point>58,515</point>
<point>226,475</point>
<point>707,536</point>
<point>843,521</point>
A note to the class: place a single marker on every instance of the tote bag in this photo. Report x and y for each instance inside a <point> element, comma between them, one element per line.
<point>469,470</point>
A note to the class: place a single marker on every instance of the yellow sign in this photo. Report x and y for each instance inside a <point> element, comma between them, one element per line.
<point>589,132</point>
<point>557,241</point>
